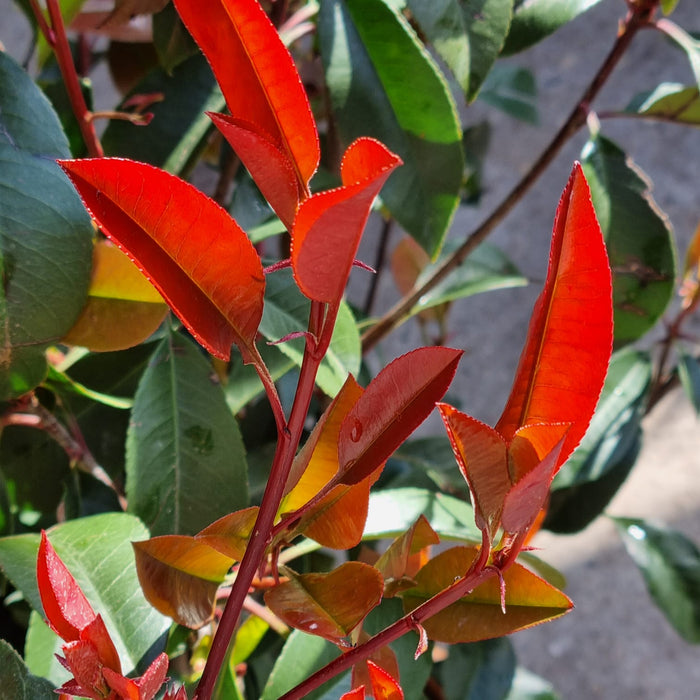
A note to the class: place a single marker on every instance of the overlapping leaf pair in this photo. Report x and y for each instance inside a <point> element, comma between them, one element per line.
<point>89,652</point>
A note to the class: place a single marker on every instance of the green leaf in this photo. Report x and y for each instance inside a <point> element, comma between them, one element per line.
<point>16,680</point>
<point>637,235</point>
<point>97,552</point>
<point>528,686</point>
<point>393,511</point>
<point>171,39</point>
<point>45,234</point>
<point>301,655</point>
<point>431,456</point>
<point>368,50</point>
<point>177,133</point>
<point>485,270</point>
<point>512,90</point>
<point>479,671</point>
<point>533,20</point>
<point>685,41</point>
<point>669,102</point>
<point>467,34</point>
<point>607,452</point>
<point>287,311</point>
<point>689,372</point>
<point>670,564</point>
<point>185,458</point>
<point>40,648</point>
<point>668,6</point>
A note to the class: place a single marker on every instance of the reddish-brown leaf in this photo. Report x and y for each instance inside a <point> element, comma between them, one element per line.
<point>529,600</point>
<point>230,534</point>
<point>565,359</point>
<point>180,576</point>
<point>328,605</point>
<point>65,606</point>
<point>384,685</point>
<point>395,403</point>
<point>192,251</point>
<point>329,225</point>
<point>258,78</point>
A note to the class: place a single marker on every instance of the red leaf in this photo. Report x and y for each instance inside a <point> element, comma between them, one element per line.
<point>143,688</point>
<point>354,694</point>
<point>194,253</point>
<point>66,608</point>
<point>258,78</point>
<point>565,359</point>
<point>83,662</point>
<point>96,634</point>
<point>384,685</point>
<point>329,225</point>
<point>395,403</point>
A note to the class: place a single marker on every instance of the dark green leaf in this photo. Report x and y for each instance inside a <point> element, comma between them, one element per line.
<point>176,134</point>
<point>98,553</point>
<point>430,456</point>
<point>287,311</point>
<point>533,20</point>
<point>486,269</point>
<point>600,464</point>
<point>45,234</point>
<point>637,235</point>
<point>368,50</point>
<point>475,142</point>
<point>301,655</point>
<point>17,682</point>
<point>670,564</point>
<point>478,671</point>
<point>185,463</point>
<point>669,102</point>
<point>393,511</point>
<point>172,41</point>
<point>468,35</point>
<point>512,90</point>
<point>689,372</point>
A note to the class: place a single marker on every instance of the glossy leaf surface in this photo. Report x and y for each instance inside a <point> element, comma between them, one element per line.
<point>45,235</point>
<point>257,76</point>
<point>384,685</point>
<point>329,225</point>
<point>328,605</point>
<point>360,41</point>
<point>395,403</point>
<point>565,359</point>
<point>97,551</point>
<point>185,458</point>
<point>670,564</point>
<point>638,237</point>
<point>180,576</point>
<point>229,534</point>
<point>529,600</point>
<point>669,102</point>
<point>185,244</point>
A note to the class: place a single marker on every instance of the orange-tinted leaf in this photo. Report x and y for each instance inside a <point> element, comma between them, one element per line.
<point>395,403</point>
<point>529,600</point>
<point>194,253</point>
<point>257,76</point>
<point>65,606</point>
<point>483,460</point>
<point>328,605</point>
<point>354,694</point>
<point>179,576</point>
<point>317,461</point>
<point>384,685</point>
<point>143,688</point>
<point>564,362</point>
<point>395,562</point>
<point>690,289</point>
<point>329,225</point>
<point>229,535</point>
<point>384,657</point>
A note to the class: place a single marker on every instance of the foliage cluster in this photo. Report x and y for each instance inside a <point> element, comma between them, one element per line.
<point>226,494</point>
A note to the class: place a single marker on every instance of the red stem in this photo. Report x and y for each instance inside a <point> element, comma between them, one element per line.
<point>56,37</point>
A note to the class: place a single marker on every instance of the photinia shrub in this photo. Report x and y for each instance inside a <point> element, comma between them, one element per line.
<point>257,439</point>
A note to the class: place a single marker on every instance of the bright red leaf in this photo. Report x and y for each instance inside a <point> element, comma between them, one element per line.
<point>193,252</point>
<point>329,225</point>
<point>565,359</point>
<point>66,608</point>
<point>384,685</point>
<point>260,83</point>
<point>395,403</point>
<point>144,687</point>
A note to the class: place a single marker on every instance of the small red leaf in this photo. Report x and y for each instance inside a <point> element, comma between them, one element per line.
<point>83,662</point>
<point>192,251</point>
<point>96,634</point>
<point>143,688</point>
<point>66,608</point>
<point>328,605</point>
<point>329,225</point>
<point>395,403</point>
<point>565,359</point>
<point>354,694</point>
<point>257,76</point>
<point>384,685</point>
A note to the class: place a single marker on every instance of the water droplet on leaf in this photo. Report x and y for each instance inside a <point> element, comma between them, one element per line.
<point>356,431</point>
